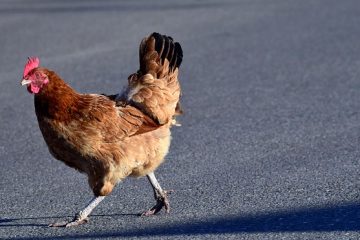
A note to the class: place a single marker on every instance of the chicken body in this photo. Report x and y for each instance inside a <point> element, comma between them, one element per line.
<point>95,142</point>
<point>112,137</point>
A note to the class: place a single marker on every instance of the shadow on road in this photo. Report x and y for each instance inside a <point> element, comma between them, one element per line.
<point>12,222</point>
<point>326,219</point>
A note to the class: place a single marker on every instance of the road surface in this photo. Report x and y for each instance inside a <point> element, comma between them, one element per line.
<point>269,143</point>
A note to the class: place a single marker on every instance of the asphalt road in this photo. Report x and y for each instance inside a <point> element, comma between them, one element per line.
<point>269,143</point>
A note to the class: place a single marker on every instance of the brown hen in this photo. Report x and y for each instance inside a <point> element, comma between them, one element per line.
<point>112,137</point>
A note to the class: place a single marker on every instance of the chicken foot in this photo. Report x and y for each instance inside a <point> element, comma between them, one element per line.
<point>82,216</point>
<point>160,197</point>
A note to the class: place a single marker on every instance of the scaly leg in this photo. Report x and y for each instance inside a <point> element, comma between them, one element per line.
<point>160,197</point>
<point>82,216</point>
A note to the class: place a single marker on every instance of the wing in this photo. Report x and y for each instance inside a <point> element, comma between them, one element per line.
<point>155,88</point>
<point>98,119</point>
<point>133,122</point>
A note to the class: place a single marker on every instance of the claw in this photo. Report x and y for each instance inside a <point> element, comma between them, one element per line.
<point>58,224</point>
<point>73,223</point>
<point>77,222</point>
<point>161,201</point>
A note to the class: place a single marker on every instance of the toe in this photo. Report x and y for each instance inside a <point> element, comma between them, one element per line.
<point>148,213</point>
<point>77,222</point>
<point>58,224</point>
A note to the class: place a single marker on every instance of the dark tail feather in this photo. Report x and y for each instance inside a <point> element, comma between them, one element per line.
<point>165,47</point>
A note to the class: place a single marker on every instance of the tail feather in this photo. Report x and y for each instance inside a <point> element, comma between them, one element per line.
<point>155,88</point>
<point>155,49</point>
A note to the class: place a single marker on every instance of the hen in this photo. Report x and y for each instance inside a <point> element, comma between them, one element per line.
<point>112,137</point>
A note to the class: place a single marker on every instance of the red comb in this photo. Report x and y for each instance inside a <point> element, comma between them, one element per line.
<point>33,62</point>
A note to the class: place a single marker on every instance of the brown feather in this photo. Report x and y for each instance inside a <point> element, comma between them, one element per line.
<point>155,88</point>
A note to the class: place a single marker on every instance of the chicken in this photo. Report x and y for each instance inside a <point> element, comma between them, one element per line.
<point>109,138</point>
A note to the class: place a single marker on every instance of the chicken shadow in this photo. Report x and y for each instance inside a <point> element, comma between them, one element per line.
<point>325,219</point>
<point>13,222</point>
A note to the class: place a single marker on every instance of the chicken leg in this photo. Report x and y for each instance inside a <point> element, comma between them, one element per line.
<point>160,197</point>
<point>82,216</point>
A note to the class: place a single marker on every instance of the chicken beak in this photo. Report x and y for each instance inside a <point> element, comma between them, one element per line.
<point>25,82</point>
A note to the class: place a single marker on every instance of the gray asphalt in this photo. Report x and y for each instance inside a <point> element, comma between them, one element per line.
<point>269,143</point>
